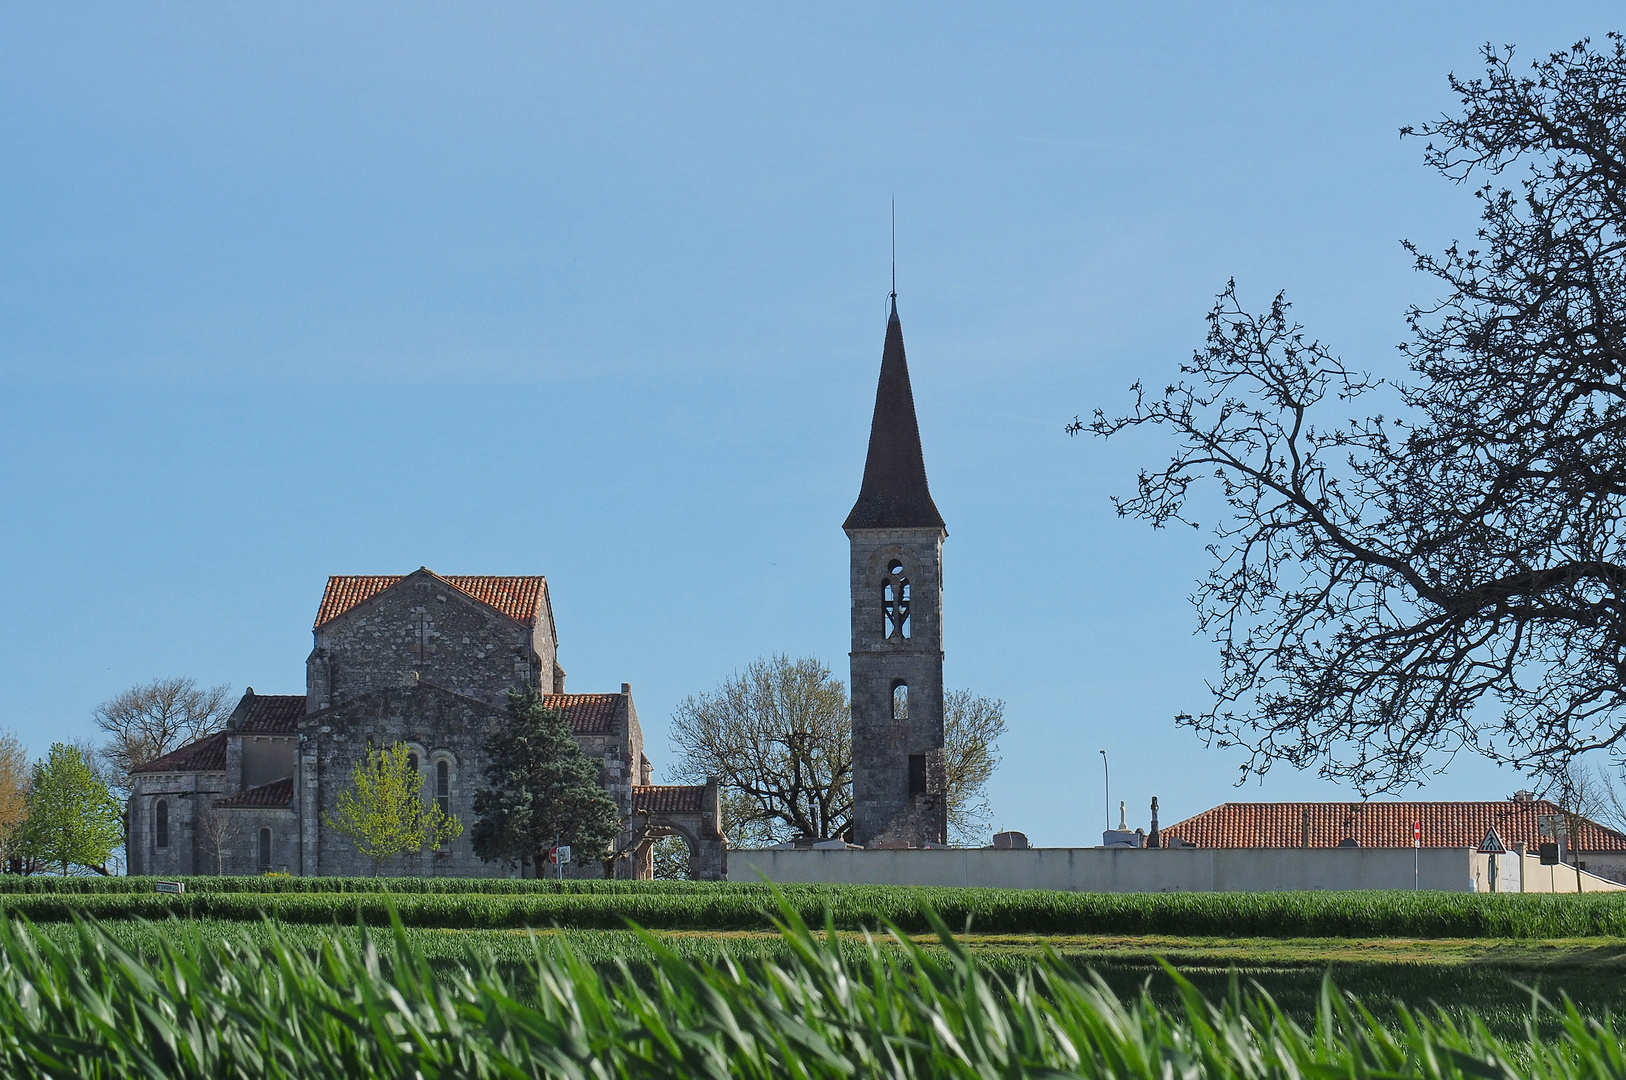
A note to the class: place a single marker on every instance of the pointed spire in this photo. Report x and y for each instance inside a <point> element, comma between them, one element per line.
<point>894,494</point>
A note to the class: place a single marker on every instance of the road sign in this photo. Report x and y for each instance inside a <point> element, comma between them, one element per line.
<point>1492,844</point>
<point>559,854</point>
<point>174,888</point>
<point>1549,854</point>
<point>1417,834</point>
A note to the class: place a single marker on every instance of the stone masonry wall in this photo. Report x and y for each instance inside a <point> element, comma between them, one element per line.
<point>444,636</point>
<point>884,807</point>
<point>436,725</point>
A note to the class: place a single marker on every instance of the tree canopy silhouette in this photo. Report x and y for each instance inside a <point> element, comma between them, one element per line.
<point>1388,590</point>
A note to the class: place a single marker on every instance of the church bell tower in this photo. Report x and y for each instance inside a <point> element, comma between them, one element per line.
<point>897,627</point>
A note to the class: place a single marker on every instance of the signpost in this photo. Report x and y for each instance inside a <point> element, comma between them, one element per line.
<point>558,855</point>
<point>173,888</point>
<point>1492,845</point>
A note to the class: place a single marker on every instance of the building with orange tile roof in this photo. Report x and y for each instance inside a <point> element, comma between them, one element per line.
<point>422,660</point>
<point>1385,824</point>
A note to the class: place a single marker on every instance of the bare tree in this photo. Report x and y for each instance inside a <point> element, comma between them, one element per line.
<point>148,721</point>
<point>218,829</point>
<point>1385,592</point>
<point>972,726</point>
<point>779,737</point>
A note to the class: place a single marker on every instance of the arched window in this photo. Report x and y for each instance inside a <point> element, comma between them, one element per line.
<point>412,763</point>
<point>900,701</point>
<point>265,850</point>
<point>160,827</point>
<point>443,786</point>
<point>895,601</point>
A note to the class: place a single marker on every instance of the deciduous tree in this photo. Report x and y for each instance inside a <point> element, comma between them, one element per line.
<point>541,789</point>
<point>218,829</point>
<point>972,725</point>
<point>1387,591</point>
<point>779,738</point>
<point>150,720</point>
<point>14,785</point>
<point>72,817</point>
<point>383,812</point>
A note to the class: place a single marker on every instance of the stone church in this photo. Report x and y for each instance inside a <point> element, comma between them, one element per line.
<point>418,659</point>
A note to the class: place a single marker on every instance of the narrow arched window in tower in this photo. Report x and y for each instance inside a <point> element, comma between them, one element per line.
<point>412,764</point>
<point>160,825</point>
<point>443,786</point>
<point>895,602</point>
<point>265,850</point>
<point>900,701</point>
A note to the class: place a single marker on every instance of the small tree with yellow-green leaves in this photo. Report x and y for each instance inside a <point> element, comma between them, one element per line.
<point>383,811</point>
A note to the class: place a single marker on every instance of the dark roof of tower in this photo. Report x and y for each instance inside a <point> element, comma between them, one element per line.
<point>894,494</point>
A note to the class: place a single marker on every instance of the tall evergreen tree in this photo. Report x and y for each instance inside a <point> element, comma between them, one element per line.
<point>541,789</point>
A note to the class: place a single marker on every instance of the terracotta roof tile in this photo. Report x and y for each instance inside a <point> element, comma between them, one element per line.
<point>519,598</point>
<point>587,714</point>
<point>1381,824</point>
<point>207,754</point>
<point>669,798</point>
<point>273,714</point>
<point>276,794</point>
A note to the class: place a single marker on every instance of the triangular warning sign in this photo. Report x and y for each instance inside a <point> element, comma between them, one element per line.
<point>1492,844</point>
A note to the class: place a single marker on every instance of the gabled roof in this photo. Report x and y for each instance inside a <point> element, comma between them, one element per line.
<point>207,754</point>
<point>267,714</point>
<point>275,795</point>
<point>894,494</point>
<point>668,798</point>
<point>587,714</point>
<point>519,598</point>
<point>1382,824</point>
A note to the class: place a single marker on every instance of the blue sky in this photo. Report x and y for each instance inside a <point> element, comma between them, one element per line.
<point>298,289</point>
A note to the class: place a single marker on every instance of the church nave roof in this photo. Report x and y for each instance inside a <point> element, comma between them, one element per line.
<point>520,598</point>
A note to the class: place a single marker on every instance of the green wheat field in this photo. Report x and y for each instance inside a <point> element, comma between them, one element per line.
<point>272,977</point>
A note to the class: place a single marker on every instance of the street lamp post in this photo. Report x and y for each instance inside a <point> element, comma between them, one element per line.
<point>1108,774</point>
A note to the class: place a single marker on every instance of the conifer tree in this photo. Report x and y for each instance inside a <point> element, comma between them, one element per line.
<point>72,818</point>
<point>541,789</point>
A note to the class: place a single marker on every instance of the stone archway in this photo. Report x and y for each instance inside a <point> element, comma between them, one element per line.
<point>692,812</point>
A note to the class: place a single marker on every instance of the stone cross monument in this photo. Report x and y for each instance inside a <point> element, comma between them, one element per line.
<point>897,628</point>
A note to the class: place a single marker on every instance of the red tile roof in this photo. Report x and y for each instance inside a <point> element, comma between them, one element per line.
<point>587,714</point>
<point>1381,824</point>
<point>272,714</point>
<point>275,795</point>
<point>668,798</point>
<point>519,598</point>
<point>207,754</point>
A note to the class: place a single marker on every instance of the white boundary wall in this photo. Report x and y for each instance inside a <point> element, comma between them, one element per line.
<point>1130,869</point>
<point>1559,879</point>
